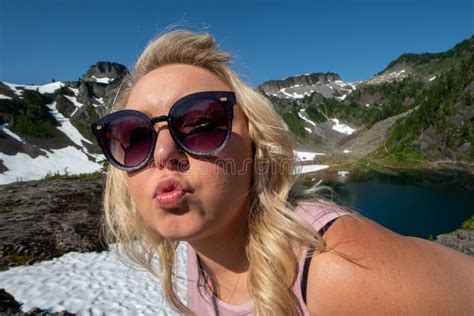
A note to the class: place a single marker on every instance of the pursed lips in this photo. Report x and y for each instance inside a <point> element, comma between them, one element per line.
<point>169,192</point>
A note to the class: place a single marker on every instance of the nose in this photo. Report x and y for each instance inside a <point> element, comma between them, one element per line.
<point>167,153</point>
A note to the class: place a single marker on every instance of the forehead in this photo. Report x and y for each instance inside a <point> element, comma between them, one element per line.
<point>157,91</point>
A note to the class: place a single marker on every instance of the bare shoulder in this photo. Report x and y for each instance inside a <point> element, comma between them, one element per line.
<point>389,273</point>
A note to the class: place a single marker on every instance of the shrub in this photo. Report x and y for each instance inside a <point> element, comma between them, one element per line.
<point>469,224</point>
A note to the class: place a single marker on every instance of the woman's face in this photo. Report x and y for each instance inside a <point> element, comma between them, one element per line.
<point>216,194</point>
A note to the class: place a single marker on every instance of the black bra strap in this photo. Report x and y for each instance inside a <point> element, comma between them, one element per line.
<point>307,261</point>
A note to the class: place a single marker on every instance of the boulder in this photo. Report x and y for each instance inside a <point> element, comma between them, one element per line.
<point>47,218</point>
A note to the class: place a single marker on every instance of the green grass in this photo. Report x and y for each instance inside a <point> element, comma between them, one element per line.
<point>315,115</point>
<point>98,175</point>
<point>468,224</point>
<point>29,115</point>
<point>35,128</point>
<point>405,157</point>
<point>295,124</point>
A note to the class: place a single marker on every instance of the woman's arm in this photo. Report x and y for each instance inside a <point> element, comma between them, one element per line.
<point>393,274</point>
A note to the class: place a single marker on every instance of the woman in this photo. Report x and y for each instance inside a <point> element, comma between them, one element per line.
<point>199,156</point>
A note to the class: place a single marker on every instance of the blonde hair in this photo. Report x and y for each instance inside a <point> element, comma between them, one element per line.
<point>275,231</point>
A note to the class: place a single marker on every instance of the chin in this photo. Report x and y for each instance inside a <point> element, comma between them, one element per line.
<point>178,229</point>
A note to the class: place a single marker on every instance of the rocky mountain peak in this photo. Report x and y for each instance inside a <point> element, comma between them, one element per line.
<point>98,85</point>
<point>328,84</point>
<point>273,86</point>
<point>105,72</point>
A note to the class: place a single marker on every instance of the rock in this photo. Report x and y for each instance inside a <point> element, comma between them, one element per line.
<point>64,105</point>
<point>362,143</point>
<point>273,86</point>
<point>461,240</point>
<point>100,83</point>
<point>456,121</point>
<point>10,306</point>
<point>465,150</point>
<point>44,219</point>
<point>105,69</point>
<point>6,91</point>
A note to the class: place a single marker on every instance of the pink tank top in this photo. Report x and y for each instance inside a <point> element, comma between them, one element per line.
<point>202,301</point>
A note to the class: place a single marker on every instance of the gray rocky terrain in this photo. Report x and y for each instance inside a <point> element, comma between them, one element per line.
<point>44,219</point>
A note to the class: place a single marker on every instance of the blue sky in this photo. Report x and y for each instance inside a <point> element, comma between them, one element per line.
<point>61,39</point>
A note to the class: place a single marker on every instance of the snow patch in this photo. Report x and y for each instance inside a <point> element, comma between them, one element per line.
<point>353,85</point>
<point>340,83</point>
<point>301,115</point>
<point>342,98</point>
<point>433,78</point>
<point>342,128</point>
<point>66,127</point>
<point>75,103</point>
<point>5,97</point>
<point>396,73</point>
<point>4,129</point>
<point>68,159</point>
<point>103,80</point>
<point>46,88</point>
<point>285,93</point>
<point>344,84</point>
<point>13,87</point>
<point>294,95</point>
<point>308,130</point>
<point>76,91</point>
<point>92,283</point>
<point>100,102</point>
<point>305,155</point>
<point>343,173</point>
<point>309,168</point>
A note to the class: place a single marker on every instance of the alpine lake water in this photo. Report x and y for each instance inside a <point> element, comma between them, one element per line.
<point>415,203</point>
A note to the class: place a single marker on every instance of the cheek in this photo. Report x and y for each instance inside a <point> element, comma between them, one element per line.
<point>238,154</point>
<point>136,186</point>
<point>222,198</point>
<point>233,166</point>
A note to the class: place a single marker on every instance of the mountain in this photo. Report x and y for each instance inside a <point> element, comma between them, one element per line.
<point>428,64</point>
<point>45,129</point>
<point>327,84</point>
<point>417,111</point>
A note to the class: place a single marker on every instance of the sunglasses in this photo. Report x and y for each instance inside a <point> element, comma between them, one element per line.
<point>199,123</point>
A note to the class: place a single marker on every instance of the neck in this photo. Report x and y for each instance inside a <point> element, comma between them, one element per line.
<point>223,261</point>
<point>224,252</point>
<point>224,269</point>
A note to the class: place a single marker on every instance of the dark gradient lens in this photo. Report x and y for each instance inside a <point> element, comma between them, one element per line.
<point>200,126</point>
<point>129,140</point>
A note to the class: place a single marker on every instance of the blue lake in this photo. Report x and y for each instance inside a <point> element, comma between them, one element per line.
<point>418,204</point>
